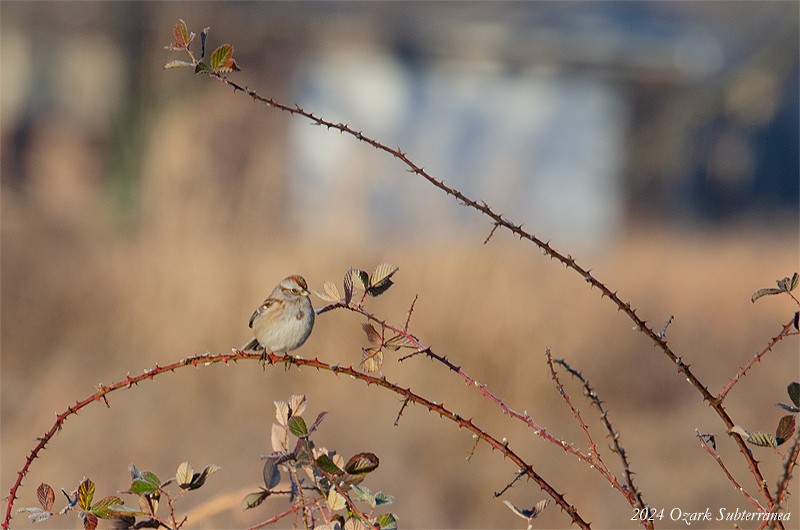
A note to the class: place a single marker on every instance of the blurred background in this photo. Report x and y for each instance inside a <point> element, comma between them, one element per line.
<point>146,213</point>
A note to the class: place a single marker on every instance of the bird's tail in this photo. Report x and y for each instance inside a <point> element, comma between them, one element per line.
<point>251,345</point>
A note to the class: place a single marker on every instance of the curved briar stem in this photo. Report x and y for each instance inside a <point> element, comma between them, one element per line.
<point>288,360</point>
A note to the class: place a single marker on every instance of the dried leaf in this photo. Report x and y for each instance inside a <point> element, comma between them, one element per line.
<point>36,515</point>
<point>789,283</point>
<point>280,438</point>
<point>741,431</point>
<point>362,463</point>
<point>381,274</point>
<point>282,412</point>
<point>297,404</point>
<point>46,496</point>
<point>320,417</point>
<point>400,341</point>
<point>347,284</point>
<point>330,292</point>
<point>335,500</point>
<point>387,521</point>
<point>359,279</point>
<point>355,524</point>
<point>252,500</point>
<point>203,37</point>
<point>371,359</point>
<point>785,429</point>
<point>526,514</point>
<point>372,334</point>
<point>762,439</point>
<point>184,474</point>
<point>765,292</point>
<point>198,479</point>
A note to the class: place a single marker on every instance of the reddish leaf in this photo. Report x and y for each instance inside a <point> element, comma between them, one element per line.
<point>372,334</point>
<point>89,521</point>
<point>46,496</point>
<point>362,463</point>
<point>182,36</point>
<point>222,59</point>
<point>785,429</point>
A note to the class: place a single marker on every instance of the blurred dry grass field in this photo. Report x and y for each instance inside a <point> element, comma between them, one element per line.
<point>83,306</point>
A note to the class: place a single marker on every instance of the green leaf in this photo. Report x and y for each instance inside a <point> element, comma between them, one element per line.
<point>251,500</point>
<point>387,521</point>
<point>202,68</point>
<point>152,478</point>
<point>103,508</point>
<point>794,393</point>
<point>382,499</point>
<point>46,496</point>
<point>362,463</point>
<point>327,465</point>
<point>272,474</point>
<point>297,426</point>
<point>222,60</point>
<point>785,429</point>
<point>143,487</point>
<point>788,283</point>
<point>85,494</point>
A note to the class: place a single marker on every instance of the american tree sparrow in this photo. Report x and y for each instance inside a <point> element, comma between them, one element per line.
<point>285,319</point>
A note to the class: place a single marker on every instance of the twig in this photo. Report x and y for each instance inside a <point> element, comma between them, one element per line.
<point>733,481</point>
<point>612,432</point>
<point>785,332</point>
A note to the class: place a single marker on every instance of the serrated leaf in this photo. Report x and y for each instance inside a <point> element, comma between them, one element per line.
<point>330,293</point>
<point>272,474</point>
<point>152,478</point>
<point>222,59</point>
<point>793,282</point>
<point>371,359</point>
<point>382,499</point>
<point>148,504</point>
<point>182,36</point>
<point>362,463</point>
<point>789,283</point>
<point>85,494</point>
<point>297,404</point>
<point>202,68</point>
<point>355,524</point>
<point>382,272</point>
<point>359,279</point>
<point>177,64</point>
<point>251,500</point>
<point>297,426</point>
<point>184,473</point>
<point>36,515</point>
<point>320,417</point>
<point>280,438</point>
<point>335,500</point>
<point>762,439</point>
<point>387,521</point>
<point>347,285</point>
<point>741,431</point>
<point>326,464</point>
<point>765,292</point>
<point>46,496</point>
<point>142,487</point>
<point>362,494</point>
<point>282,412</point>
<point>400,341</point>
<point>785,429</point>
<point>794,393</point>
<point>104,508</point>
<point>198,479</point>
<point>372,334</point>
<point>89,521</point>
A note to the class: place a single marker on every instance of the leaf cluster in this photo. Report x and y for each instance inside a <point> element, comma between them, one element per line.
<point>319,480</point>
